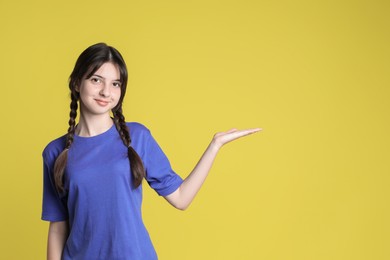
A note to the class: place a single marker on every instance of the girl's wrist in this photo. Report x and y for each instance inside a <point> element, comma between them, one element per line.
<point>215,146</point>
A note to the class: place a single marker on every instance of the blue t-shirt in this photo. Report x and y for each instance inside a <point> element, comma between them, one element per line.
<point>101,204</point>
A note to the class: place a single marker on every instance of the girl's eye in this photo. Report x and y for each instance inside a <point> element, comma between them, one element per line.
<point>96,80</point>
<point>117,84</point>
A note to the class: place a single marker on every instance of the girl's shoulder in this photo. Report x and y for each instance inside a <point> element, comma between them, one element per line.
<point>54,148</point>
<point>139,133</point>
<point>137,128</point>
<point>136,125</point>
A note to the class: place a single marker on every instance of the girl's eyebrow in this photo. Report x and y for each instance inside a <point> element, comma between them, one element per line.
<point>96,75</point>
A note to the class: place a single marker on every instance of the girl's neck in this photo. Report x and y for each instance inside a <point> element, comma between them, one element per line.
<point>88,127</point>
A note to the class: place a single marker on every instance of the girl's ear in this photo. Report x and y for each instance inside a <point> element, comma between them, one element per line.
<point>76,85</point>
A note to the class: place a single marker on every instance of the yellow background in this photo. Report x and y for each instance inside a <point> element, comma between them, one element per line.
<point>314,74</point>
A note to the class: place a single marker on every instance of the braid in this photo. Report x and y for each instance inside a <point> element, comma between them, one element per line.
<point>136,164</point>
<point>60,163</point>
<point>72,120</point>
<point>119,121</point>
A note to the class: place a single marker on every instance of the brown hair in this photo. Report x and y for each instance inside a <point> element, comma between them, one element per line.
<point>89,61</point>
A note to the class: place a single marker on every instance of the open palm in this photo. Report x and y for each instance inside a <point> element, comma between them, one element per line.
<point>222,138</point>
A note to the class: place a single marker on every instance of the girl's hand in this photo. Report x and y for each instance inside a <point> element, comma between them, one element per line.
<point>225,137</point>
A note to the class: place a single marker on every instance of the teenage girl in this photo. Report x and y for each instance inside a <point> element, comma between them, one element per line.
<point>92,175</point>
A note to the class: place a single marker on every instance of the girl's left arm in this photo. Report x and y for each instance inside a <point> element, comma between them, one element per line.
<point>183,196</point>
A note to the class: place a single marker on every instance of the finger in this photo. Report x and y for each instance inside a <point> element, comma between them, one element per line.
<point>231,130</point>
<point>237,134</point>
<point>227,132</point>
<point>248,131</point>
<point>254,130</point>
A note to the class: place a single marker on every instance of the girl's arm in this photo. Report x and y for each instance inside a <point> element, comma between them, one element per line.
<point>58,233</point>
<point>183,196</point>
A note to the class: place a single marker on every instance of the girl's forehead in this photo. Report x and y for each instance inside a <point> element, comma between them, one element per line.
<point>107,70</point>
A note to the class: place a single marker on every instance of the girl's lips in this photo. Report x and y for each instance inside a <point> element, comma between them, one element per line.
<point>101,102</point>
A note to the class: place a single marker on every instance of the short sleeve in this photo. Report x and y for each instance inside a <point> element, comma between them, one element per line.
<point>159,173</point>
<point>53,208</point>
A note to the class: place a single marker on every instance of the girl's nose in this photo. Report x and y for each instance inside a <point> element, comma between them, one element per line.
<point>105,91</point>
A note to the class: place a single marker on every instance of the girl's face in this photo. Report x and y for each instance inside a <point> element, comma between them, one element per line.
<point>101,92</point>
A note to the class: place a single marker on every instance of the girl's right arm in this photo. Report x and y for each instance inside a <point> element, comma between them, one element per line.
<point>183,196</point>
<point>58,233</point>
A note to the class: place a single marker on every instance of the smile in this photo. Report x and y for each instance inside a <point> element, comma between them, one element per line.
<point>101,102</point>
